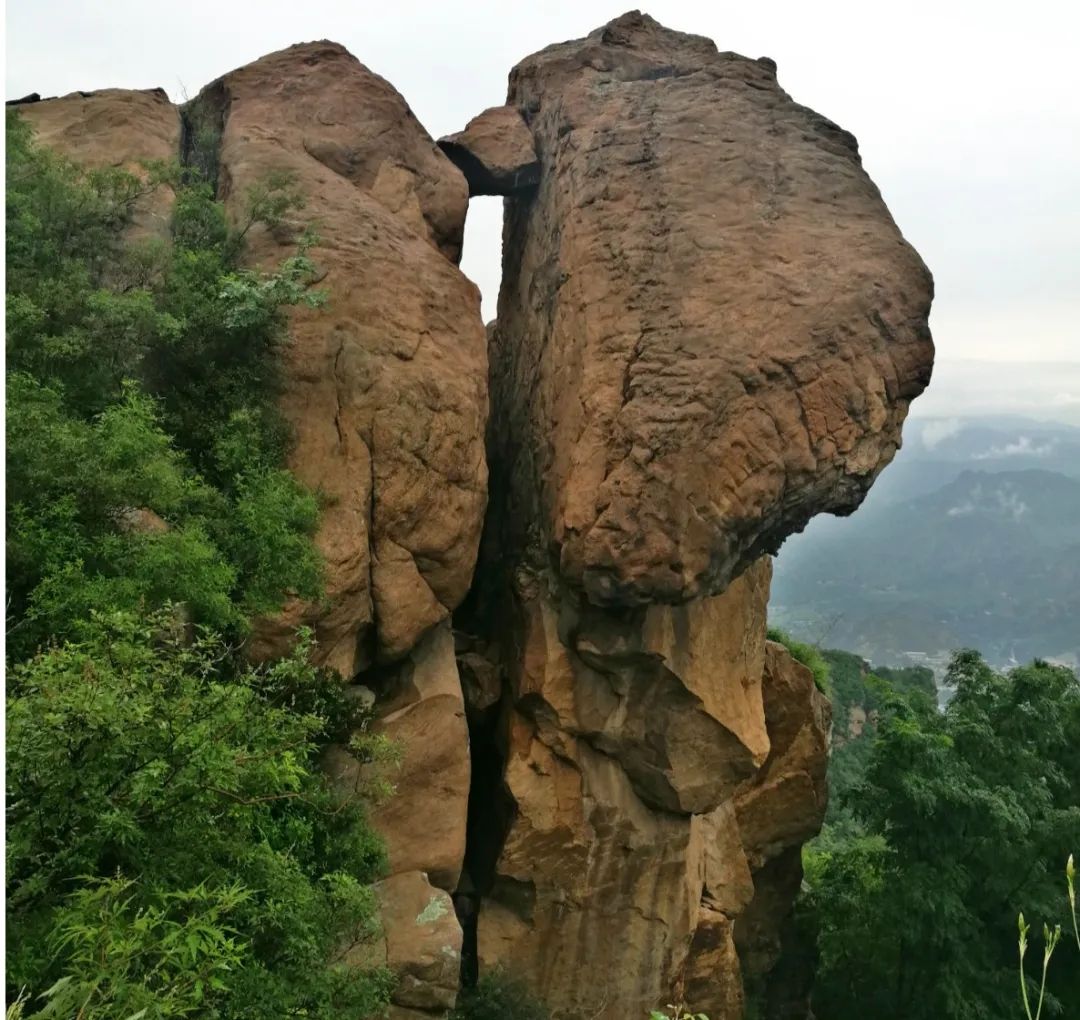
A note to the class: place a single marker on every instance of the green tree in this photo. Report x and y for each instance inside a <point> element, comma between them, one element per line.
<point>142,387</point>
<point>963,816</point>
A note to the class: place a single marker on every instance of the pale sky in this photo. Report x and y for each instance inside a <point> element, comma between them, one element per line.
<point>967,114</point>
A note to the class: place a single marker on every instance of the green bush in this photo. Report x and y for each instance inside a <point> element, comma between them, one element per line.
<point>808,655</point>
<point>172,844</point>
<point>499,996</point>
<point>959,817</point>
<point>145,378</point>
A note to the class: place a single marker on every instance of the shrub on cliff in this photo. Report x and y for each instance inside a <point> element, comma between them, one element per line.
<point>171,843</point>
<point>499,996</point>
<point>143,378</point>
<point>173,848</point>
<point>808,655</point>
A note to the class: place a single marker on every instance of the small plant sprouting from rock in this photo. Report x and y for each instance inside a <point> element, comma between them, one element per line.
<point>676,1013</point>
<point>499,996</point>
<point>808,655</point>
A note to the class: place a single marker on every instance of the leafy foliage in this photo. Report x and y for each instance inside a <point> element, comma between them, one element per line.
<point>173,848</point>
<point>172,845</point>
<point>961,816</point>
<point>499,996</point>
<point>808,655</point>
<point>142,385</point>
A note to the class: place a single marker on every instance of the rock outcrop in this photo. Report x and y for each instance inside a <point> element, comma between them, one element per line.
<point>495,152</point>
<point>123,128</point>
<point>387,385</point>
<point>709,330</point>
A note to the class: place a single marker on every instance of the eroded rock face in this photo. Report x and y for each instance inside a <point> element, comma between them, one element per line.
<point>386,386</point>
<point>420,709</point>
<point>710,327</point>
<point>495,152</point>
<point>421,946</point>
<point>124,128</point>
<point>709,330</point>
<point>658,761</point>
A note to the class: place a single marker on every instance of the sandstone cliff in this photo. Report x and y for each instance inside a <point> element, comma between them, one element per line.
<point>709,330</point>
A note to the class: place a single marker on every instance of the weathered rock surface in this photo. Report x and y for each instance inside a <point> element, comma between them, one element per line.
<point>495,152</point>
<point>629,806</point>
<point>123,128</point>
<point>386,387</point>
<point>421,946</point>
<point>420,709</point>
<point>785,804</point>
<point>710,327</point>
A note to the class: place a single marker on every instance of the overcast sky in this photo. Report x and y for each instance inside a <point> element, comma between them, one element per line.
<point>967,115</point>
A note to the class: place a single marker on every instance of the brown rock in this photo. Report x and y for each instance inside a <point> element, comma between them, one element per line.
<point>495,152</point>
<point>631,734</point>
<point>423,822</point>
<point>421,945</point>
<point>785,804</point>
<point>712,982</point>
<point>672,693</point>
<point>590,882</point>
<point>386,387</point>
<point>710,328</point>
<point>123,128</point>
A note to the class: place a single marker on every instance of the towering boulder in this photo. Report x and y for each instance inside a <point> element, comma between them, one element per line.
<point>386,392</point>
<point>710,327</point>
<point>709,330</point>
<point>386,386</point>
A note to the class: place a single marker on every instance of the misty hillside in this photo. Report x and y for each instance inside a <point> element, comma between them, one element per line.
<point>988,559</point>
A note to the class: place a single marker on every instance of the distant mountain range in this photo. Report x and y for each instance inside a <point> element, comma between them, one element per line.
<point>971,538</point>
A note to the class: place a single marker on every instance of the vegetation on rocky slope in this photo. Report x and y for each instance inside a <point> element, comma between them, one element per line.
<point>172,847</point>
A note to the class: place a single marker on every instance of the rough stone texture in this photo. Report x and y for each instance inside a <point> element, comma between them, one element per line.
<point>785,804</point>
<point>421,945</point>
<point>590,882</point>
<point>495,152</point>
<point>630,735</point>
<point>386,386</point>
<point>712,980</point>
<point>671,693</point>
<point>422,712</point>
<point>710,327</point>
<point>115,128</point>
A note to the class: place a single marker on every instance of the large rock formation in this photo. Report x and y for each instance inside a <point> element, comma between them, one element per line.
<point>386,390</point>
<point>387,385</point>
<point>709,329</point>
